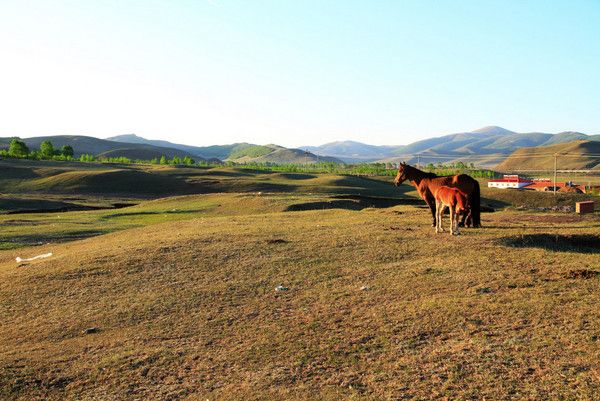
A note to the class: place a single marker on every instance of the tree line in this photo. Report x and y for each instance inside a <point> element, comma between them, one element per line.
<point>19,149</point>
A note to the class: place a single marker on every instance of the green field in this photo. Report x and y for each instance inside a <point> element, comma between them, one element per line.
<point>174,298</point>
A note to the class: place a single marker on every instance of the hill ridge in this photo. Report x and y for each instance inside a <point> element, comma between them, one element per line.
<point>575,155</point>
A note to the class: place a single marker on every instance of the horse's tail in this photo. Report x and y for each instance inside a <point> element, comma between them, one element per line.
<point>476,205</point>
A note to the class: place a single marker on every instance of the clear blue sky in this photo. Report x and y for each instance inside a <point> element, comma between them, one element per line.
<point>297,72</point>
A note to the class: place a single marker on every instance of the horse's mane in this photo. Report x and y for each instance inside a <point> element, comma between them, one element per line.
<point>424,174</point>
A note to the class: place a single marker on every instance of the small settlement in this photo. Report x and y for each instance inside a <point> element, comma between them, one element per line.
<point>538,184</point>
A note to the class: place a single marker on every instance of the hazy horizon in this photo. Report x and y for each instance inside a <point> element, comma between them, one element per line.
<point>297,74</point>
<point>306,144</point>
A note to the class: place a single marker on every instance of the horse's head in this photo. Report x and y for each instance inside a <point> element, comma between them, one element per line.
<point>401,176</point>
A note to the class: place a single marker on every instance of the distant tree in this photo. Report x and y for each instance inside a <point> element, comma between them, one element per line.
<point>86,158</point>
<point>176,160</point>
<point>67,151</point>
<point>188,161</point>
<point>153,161</point>
<point>47,149</point>
<point>163,160</point>
<point>18,148</point>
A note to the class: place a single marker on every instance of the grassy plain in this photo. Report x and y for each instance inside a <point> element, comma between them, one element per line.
<point>174,299</point>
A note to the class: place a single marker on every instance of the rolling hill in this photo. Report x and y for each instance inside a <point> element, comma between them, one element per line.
<point>194,150</point>
<point>575,155</point>
<point>237,152</point>
<point>89,145</point>
<point>101,147</point>
<point>232,296</point>
<point>277,154</point>
<point>351,151</point>
<point>486,146</point>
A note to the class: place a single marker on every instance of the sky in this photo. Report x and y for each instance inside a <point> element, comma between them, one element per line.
<point>296,73</point>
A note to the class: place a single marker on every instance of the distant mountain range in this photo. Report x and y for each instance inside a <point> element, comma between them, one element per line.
<point>238,152</point>
<point>486,146</point>
<point>135,147</point>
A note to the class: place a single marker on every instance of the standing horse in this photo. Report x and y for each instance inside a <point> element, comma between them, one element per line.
<point>427,183</point>
<point>456,201</point>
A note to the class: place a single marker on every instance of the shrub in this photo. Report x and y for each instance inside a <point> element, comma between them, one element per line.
<point>47,149</point>
<point>67,151</point>
<point>18,148</point>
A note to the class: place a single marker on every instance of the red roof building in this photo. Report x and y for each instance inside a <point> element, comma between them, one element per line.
<point>509,181</point>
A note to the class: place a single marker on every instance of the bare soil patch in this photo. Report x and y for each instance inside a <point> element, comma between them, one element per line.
<point>582,273</point>
<point>581,243</point>
<point>549,218</point>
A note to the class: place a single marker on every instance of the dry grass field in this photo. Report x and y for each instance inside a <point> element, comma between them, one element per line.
<point>175,299</point>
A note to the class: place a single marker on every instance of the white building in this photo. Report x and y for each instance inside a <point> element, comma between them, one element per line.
<point>509,181</point>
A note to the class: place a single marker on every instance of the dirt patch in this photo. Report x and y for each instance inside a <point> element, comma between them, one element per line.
<point>581,243</point>
<point>353,202</point>
<point>376,201</point>
<point>67,208</point>
<point>297,176</point>
<point>548,218</point>
<point>277,241</point>
<point>122,205</point>
<point>19,222</point>
<point>333,204</point>
<point>582,273</point>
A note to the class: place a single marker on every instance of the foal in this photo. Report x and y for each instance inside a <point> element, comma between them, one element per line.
<point>456,200</point>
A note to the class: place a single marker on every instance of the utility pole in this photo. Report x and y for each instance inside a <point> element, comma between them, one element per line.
<point>555,157</point>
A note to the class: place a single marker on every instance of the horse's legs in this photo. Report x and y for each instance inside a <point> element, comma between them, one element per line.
<point>468,217</point>
<point>465,217</point>
<point>455,221</point>
<point>439,209</point>
<point>432,203</point>
<point>456,225</point>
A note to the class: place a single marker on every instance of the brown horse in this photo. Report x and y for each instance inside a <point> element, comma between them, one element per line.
<point>456,201</point>
<point>427,183</point>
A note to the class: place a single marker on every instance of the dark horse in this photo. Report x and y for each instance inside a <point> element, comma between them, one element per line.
<point>428,183</point>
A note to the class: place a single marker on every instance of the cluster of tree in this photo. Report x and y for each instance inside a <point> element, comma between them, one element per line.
<point>175,161</point>
<point>368,169</point>
<point>372,169</point>
<point>459,168</point>
<point>19,149</point>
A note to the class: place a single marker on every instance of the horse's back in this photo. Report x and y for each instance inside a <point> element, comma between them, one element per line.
<point>450,195</point>
<point>445,193</point>
<point>461,179</point>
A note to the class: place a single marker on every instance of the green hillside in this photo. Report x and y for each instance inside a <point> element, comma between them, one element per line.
<point>251,151</point>
<point>238,152</point>
<point>220,152</point>
<point>277,154</point>
<point>148,181</point>
<point>143,154</point>
<point>89,145</point>
<point>292,295</point>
